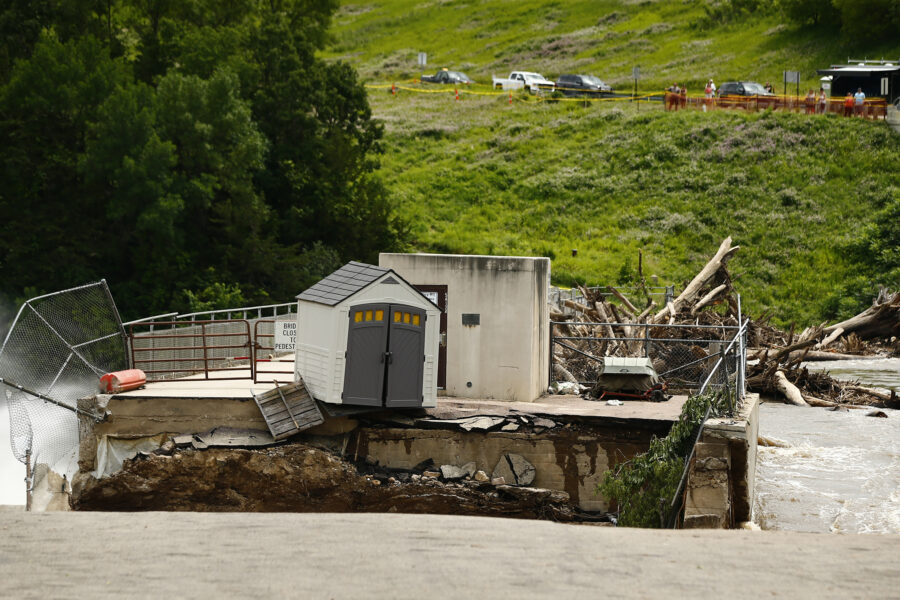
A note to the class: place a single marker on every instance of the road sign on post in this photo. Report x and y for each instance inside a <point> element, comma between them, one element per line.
<point>635,74</point>
<point>791,77</point>
<point>423,59</point>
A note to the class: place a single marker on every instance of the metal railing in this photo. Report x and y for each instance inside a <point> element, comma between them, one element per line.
<point>245,312</point>
<point>732,384</point>
<point>266,359</point>
<point>214,349</point>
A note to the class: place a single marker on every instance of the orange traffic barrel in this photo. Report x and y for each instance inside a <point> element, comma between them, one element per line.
<point>122,381</point>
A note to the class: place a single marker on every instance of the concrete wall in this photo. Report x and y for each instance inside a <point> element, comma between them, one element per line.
<point>566,460</point>
<point>721,485</point>
<point>506,356</point>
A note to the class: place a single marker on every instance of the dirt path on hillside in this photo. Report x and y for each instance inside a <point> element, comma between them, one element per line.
<point>195,555</point>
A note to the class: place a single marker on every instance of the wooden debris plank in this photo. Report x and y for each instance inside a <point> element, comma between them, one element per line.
<point>289,409</point>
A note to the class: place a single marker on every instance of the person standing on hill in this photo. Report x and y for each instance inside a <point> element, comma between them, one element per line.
<point>859,100</point>
<point>810,102</point>
<point>848,104</point>
<point>683,101</point>
<point>768,87</point>
<point>672,96</point>
<point>823,101</point>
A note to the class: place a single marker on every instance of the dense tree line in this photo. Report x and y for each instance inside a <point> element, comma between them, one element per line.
<point>193,152</point>
<point>868,21</point>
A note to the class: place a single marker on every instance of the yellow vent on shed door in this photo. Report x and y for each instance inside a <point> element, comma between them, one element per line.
<point>357,317</point>
<point>368,315</point>
<point>379,315</point>
<point>397,317</point>
<point>416,320</point>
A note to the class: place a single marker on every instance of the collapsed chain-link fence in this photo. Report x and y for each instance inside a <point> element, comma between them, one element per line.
<point>683,355</point>
<point>55,352</point>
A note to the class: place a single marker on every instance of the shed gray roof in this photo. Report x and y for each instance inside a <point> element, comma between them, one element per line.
<point>343,283</point>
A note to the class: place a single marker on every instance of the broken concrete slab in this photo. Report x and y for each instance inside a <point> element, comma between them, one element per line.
<point>469,468</point>
<point>541,422</point>
<point>514,469</point>
<point>451,472</point>
<point>533,494</point>
<point>228,437</point>
<point>481,476</point>
<point>477,423</point>
<point>510,427</point>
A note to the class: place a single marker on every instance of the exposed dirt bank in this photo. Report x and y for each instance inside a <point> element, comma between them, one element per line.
<point>298,478</point>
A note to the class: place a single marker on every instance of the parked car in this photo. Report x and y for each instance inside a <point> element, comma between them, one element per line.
<point>582,85</point>
<point>446,76</point>
<point>745,94</point>
<point>517,80</point>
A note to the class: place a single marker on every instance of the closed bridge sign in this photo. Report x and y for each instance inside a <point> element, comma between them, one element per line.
<point>285,336</point>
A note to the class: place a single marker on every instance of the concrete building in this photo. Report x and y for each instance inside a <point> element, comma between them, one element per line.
<point>495,325</point>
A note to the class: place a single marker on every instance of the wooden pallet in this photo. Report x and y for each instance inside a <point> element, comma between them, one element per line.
<point>289,409</point>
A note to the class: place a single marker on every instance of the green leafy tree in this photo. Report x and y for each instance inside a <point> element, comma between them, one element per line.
<point>815,12</point>
<point>152,142</point>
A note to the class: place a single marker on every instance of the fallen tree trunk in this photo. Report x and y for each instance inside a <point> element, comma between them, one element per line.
<point>708,298</point>
<point>788,389</point>
<point>819,356</point>
<point>703,278</point>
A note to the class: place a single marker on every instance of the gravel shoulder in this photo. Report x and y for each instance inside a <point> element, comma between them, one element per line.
<point>236,555</point>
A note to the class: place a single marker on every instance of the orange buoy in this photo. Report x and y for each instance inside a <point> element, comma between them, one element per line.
<point>122,381</point>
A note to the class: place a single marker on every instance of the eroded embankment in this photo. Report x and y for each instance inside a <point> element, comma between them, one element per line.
<point>297,477</point>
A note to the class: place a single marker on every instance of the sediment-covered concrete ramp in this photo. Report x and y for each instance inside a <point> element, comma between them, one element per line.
<point>196,555</point>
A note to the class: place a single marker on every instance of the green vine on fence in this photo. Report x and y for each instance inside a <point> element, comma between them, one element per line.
<point>643,487</point>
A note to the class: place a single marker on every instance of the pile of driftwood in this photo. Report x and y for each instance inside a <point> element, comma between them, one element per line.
<point>779,369</point>
<point>775,357</point>
<point>630,329</point>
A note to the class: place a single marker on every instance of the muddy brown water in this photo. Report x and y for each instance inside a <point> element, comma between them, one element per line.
<point>839,471</point>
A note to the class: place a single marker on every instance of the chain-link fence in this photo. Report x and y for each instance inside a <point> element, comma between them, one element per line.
<point>55,352</point>
<point>684,356</point>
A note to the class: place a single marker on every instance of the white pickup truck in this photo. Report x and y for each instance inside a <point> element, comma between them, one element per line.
<point>517,80</point>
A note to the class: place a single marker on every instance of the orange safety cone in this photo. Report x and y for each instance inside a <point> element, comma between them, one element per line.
<point>457,93</point>
<point>393,89</point>
<point>510,98</point>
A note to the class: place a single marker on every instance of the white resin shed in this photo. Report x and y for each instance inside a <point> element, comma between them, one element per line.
<point>366,337</point>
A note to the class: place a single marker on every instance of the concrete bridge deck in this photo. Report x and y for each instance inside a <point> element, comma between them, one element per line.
<point>237,555</point>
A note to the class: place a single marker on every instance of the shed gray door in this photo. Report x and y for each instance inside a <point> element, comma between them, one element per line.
<point>406,356</point>
<point>366,343</point>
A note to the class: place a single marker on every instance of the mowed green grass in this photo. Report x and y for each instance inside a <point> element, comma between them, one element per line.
<point>538,178</point>
<point>606,38</point>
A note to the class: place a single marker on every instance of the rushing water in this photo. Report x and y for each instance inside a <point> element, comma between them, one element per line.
<point>838,471</point>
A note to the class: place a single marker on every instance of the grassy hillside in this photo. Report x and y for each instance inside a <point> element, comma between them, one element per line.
<point>480,176</point>
<point>669,40</point>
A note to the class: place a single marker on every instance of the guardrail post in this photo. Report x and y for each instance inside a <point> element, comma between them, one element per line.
<point>552,359</point>
<point>205,359</point>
